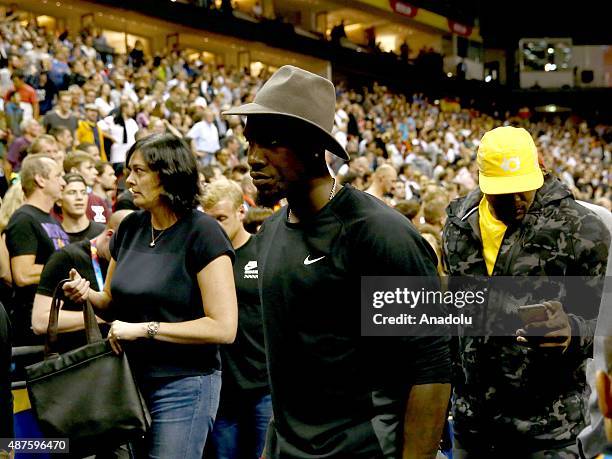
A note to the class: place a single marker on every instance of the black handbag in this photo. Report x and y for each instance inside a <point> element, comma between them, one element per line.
<point>88,394</point>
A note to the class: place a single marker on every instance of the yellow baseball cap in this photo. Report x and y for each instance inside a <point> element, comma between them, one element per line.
<point>508,162</point>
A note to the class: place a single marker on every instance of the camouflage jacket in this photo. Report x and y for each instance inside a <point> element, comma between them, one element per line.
<point>504,393</point>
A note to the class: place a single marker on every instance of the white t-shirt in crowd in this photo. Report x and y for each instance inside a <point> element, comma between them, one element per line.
<point>206,136</point>
<point>104,107</point>
<point>119,148</point>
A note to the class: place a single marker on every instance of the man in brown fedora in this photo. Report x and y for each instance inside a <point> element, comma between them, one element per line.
<point>335,394</point>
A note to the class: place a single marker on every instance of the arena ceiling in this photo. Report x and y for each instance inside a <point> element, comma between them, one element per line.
<point>502,24</point>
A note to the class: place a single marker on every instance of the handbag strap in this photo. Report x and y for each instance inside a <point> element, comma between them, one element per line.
<point>92,330</point>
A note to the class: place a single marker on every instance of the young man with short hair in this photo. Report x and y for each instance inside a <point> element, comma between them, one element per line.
<point>64,138</point>
<point>246,406</point>
<point>106,181</point>
<point>32,235</point>
<point>89,148</point>
<point>62,114</point>
<point>399,191</point>
<point>73,205</point>
<point>335,393</point>
<point>81,163</point>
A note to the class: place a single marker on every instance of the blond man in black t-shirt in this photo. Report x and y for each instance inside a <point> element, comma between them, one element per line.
<point>245,406</point>
<point>32,235</point>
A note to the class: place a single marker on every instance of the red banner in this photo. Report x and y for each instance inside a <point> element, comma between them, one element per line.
<point>459,29</point>
<point>403,8</point>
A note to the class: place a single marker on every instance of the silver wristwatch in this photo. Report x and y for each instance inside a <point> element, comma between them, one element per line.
<point>152,329</point>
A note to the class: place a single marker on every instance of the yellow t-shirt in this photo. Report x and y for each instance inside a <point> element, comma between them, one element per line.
<point>84,134</point>
<point>492,231</point>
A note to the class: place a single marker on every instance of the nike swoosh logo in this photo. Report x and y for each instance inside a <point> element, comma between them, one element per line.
<point>308,261</point>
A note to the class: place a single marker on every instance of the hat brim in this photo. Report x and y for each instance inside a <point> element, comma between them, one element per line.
<point>516,184</point>
<point>330,142</point>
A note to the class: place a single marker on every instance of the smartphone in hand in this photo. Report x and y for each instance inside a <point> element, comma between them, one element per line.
<point>532,313</point>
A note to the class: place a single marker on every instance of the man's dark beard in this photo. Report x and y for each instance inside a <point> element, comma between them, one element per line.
<point>267,198</point>
<point>506,214</point>
<point>508,218</point>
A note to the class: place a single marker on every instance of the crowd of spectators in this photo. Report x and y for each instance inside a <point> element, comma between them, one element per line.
<point>68,94</point>
<point>71,108</point>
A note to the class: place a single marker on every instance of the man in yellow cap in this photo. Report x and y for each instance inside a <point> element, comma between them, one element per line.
<point>524,396</point>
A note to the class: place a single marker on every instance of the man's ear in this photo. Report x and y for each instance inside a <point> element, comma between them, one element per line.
<point>242,212</point>
<point>604,396</point>
<point>74,170</point>
<point>40,180</point>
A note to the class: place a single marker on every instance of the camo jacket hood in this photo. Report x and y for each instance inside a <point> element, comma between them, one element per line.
<point>505,392</point>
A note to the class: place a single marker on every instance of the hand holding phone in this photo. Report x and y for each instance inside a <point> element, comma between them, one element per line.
<point>546,325</point>
<point>532,313</point>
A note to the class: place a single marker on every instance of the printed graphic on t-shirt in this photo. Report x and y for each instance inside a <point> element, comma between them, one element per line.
<point>250,270</point>
<point>99,214</point>
<point>56,234</point>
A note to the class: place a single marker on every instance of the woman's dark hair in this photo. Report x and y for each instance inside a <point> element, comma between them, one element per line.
<point>173,160</point>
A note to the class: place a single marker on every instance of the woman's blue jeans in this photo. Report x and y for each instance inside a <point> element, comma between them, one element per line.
<point>183,411</point>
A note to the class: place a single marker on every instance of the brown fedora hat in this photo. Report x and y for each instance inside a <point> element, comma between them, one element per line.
<point>298,94</point>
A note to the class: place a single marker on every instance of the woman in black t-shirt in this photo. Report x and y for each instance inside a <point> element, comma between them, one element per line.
<point>170,284</point>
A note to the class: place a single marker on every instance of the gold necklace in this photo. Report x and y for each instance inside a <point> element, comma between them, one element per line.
<point>332,193</point>
<point>155,238</point>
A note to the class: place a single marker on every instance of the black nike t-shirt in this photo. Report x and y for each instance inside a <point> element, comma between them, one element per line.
<point>160,284</point>
<point>77,256</point>
<point>92,230</point>
<point>31,231</point>
<point>335,393</point>
<point>244,361</point>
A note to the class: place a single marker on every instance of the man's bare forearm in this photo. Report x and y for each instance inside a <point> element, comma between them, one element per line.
<point>29,276</point>
<point>424,420</point>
